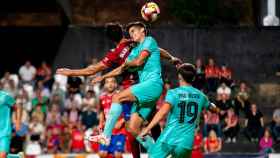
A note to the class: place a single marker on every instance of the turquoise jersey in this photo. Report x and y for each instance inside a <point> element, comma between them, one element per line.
<point>187,103</point>
<point>6,103</point>
<point>151,70</point>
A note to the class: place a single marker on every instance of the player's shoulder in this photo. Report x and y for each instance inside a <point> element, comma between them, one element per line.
<point>199,92</point>
<point>149,38</point>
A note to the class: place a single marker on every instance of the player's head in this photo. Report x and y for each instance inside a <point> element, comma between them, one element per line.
<point>186,73</point>
<point>110,84</point>
<point>137,30</point>
<point>114,32</point>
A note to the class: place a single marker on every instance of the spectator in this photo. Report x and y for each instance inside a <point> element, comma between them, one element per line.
<point>73,115</point>
<point>77,139</point>
<point>254,124</point>
<point>224,104</point>
<point>36,130</point>
<point>226,75</point>
<point>89,117</point>
<point>27,73</point>
<point>212,144</point>
<point>197,145</point>
<point>74,84</point>
<point>38,113</point>
<point>211,122</point>
<point>266,142</point>
<point>241,101</point>
<point>65,134</point>
<point>212,73</point>
<point>33,148</point>
<point>23,99</point>
<point>9,84</point>
<point>53,139</point>
<point>53,115</point>
<point>19,137</point>
<point>231,126</point>
<point>72,101</point>
<point>89,101</point>
<point>223,89</point>
<point>275,125</point>
<point>41,100</point>
<point>44,90</point>
<point>200,81</point>
<point>57,100</point>
<point>44,73</point>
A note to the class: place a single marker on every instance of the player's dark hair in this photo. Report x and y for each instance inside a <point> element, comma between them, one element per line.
<point>114,32</point>
<point>187,71</point>
<point>138,24</point>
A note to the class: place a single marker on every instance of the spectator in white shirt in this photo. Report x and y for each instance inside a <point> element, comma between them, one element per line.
<point>223,89</point>
<point>27,73</point>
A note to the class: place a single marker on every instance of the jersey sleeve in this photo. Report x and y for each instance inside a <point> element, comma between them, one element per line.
<point>170,98</point>
<point>206,103</point>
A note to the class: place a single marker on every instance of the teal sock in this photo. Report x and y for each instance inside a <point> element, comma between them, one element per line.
<point>112,118</point>
<point>147,142</point>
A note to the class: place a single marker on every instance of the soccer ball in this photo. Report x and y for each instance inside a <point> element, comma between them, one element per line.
<point>150,11</point>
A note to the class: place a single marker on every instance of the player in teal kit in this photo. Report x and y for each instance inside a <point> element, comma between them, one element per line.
<point>6,104</point>
<point>145,59</point>
<point>184,105</point>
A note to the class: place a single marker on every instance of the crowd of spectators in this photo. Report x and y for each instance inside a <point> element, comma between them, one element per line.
<point>57,111</point>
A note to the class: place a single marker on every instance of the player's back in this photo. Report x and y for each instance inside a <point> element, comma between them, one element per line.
<point>187,103</point>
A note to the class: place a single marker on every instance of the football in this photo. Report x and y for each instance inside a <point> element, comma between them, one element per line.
<point>150,11</point>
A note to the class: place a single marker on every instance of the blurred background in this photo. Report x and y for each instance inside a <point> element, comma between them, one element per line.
<point>234,43</point>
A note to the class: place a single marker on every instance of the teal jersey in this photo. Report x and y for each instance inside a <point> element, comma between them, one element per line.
<point>187,103</point>
<point>6,103</point>
<point>151,70</point>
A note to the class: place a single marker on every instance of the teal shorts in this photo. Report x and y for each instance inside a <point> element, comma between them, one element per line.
<point>147,94</point>
<point>5,144</point>
<point>161,149</point>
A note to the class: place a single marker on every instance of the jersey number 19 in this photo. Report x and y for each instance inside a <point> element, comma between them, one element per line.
<point>190,113</point>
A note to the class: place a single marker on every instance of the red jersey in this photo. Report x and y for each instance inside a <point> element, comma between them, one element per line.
<point>197,146</point>
<point>77,140</point>
<point>212,71</point>
<point>105,105</point>
<point>116,57</point>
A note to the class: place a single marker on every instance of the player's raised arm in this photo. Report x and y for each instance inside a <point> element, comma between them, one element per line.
<point>117,71</point>
<point>90,70</point>
<point>164,54</point>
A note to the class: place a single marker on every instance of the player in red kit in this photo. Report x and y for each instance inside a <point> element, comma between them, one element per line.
<point>117,143</point>
<point>114,58</point>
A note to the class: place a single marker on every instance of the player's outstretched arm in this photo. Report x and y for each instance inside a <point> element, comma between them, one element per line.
<point>162,113</point>
<point>117,71</point>
<point>164,54</point>
<point>90,70</point>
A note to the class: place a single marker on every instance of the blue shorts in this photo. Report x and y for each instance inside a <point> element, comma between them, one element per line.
<point>126,106</point>
<point>5,144</point>
<point>116,145</point>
